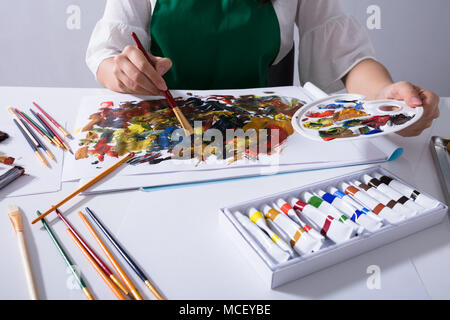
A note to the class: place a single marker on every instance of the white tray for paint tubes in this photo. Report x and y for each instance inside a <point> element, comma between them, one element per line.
<point>276,274</point>
<point>389,108</point>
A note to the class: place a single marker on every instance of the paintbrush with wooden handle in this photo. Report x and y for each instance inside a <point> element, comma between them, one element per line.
<point>176,110</point>
<point>16,220</point>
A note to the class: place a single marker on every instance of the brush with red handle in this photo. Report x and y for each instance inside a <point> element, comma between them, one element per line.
<point>180,116</point>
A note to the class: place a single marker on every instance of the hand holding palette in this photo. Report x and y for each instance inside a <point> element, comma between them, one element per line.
<point>351,214</point>
<point>350,116</point>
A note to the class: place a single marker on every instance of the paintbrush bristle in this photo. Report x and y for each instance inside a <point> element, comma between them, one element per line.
<point>15,217</point>
<point>13,208</point>
<point>11,110</point>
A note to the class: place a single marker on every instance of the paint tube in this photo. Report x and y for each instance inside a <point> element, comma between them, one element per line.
<point>279,232</point>
<point>327,208</point>
<point>393,194</point>
<point>287,209</point>
<point>378,208</point>
<point>353,213</point>
<point>418,197</point>
<point>384,199</point>
<point>300,241</point>
<point>342,195</point>
<point>258,218</point>
<point>330,227</point>
<point>267,244</point>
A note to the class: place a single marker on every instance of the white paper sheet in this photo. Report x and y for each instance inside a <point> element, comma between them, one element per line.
<point>38,178</point>
<point>296,151</point>
<point>90,104</point>
<point>366,153</point>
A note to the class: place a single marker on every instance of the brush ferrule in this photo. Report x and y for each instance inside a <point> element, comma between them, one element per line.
<point>16,220</point>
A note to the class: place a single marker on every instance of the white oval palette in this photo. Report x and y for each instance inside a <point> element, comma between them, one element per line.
<point>350,117</point>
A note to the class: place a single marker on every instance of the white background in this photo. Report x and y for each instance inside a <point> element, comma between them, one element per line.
<point>37,48</point>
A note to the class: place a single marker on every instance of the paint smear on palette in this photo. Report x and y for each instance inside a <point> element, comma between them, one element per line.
<point>399,119</point>
<point>353,123</point>
<point>146,127</point>
<point>337,132</point>
<point>332,106</point>
<point>349,113</point>
<point>367,131</point>
<point>320,123</point>
<point>376,121</point>
<point>323,114</point>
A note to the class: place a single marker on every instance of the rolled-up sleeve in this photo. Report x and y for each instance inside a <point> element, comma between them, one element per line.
<point>331,43</point>
<point>113,32</point>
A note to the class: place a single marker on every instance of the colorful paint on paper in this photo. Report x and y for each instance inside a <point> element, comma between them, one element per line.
<point>146,127</point>
<point>6,160</point>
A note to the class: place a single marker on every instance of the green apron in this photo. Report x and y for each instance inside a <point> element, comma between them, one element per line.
<point>215,44</point>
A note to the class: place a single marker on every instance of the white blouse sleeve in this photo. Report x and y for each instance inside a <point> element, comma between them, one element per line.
<point>331,43</point>
<point>113,32</point>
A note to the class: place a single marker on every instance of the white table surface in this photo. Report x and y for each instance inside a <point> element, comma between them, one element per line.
<point>175,237</point>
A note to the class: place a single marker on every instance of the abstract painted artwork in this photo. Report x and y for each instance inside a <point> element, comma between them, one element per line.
<point>146,127</point>
<point>109,127</point>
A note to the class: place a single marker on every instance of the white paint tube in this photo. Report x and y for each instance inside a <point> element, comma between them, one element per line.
<point>384,199</point>
<point>300,240</point>
<point>328,209</point>
<point>351,212</point>
<point>418,197</point>
<point>336,231</point>
<point>393,194</point>
<point>262,239</point>
<point>258,218</point>
<point>342,195</point>
<point>378,208</point>
<point>287,209</point>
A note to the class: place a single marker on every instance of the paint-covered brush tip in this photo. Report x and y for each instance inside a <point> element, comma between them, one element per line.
<point>132,156</point>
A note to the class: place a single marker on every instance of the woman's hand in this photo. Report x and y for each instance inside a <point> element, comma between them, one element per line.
<point>372,79</point>
<point>130,72</point>
<point>414,97</point>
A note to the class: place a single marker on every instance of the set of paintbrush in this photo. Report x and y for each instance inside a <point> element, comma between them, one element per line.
<point>122,288</point>
<point>121,291</point>
<point>26,125</point>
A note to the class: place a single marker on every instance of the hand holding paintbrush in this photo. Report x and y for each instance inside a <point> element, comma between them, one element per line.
<point>135,71</point>
<point>176,110</point>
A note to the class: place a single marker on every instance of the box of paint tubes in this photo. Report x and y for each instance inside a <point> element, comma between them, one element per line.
<point>291,234</point>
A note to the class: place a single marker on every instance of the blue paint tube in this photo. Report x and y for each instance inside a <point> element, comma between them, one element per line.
<point>360,217</point>
<point>342,195</point>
